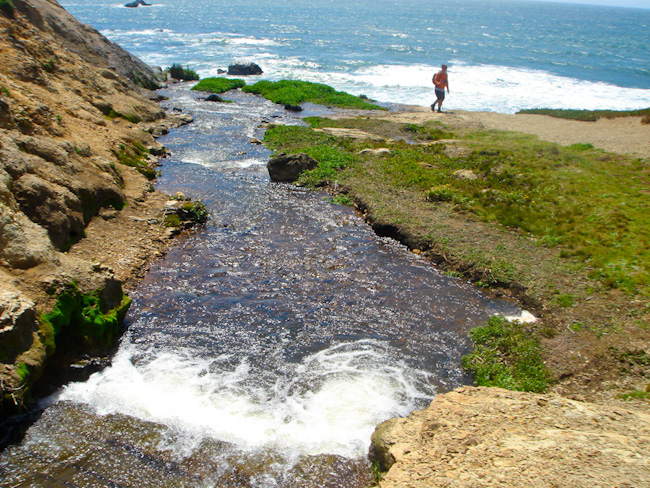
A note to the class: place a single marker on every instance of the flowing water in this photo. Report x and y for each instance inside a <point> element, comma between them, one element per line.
<point>265,348</point>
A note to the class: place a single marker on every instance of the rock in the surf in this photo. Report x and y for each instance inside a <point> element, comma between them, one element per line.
<point>244,69</point>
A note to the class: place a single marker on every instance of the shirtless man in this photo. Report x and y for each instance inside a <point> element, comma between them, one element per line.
<point>440,80</point>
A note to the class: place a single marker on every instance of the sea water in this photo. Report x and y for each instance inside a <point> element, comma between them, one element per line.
<point>503,55</point>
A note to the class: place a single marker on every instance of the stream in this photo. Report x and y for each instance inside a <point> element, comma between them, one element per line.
<point>265,347</point>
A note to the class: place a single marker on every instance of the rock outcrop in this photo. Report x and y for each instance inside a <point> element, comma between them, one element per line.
<point>87,42</point>
<point>493,437</point>
<point>288,167</point>
<point>75,148</point>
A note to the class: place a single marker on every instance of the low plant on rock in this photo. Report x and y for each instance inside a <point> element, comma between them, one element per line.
<point>134,156</point>
<point>194,212</point>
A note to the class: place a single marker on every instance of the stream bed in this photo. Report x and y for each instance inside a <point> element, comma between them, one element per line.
<point>265,347</point>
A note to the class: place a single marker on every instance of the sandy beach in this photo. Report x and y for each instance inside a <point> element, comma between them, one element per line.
<point>626,135</point>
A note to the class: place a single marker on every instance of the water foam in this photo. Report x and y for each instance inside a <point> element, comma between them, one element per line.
<point>328,403</point>
<point>473,86</point>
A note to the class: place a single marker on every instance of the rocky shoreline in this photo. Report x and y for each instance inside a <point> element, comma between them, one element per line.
<point>79,219</point>
<point>80,223</point>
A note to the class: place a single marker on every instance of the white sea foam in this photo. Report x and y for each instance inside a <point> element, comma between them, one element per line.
<point>473,86</point>
<point>329,403</point>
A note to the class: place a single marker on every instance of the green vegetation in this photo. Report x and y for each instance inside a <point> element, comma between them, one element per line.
<point>294,92</point>
<point>50,65</point>
<point>589,115</point>
<point>177,72</point>
<point>172,220</point>
<point>5,91</point>
<point>82,322</point>
<point>134,156</point>
<point>333,154</point>
<point>219,85</point>
<point>194,211</point>
<point>109,112</point>
<point>591,205</point>
<point>635,395</point>
<point>507,355</point>
<point>7,8</point>
<point>341,200</point>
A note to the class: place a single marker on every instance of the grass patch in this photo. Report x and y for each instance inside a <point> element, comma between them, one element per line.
<point>588,115</point>
<point>177,72</point>
<point>342,200</point>
<point>219,85</point>
<point>430,131</point>
<point>507,355</point>
<point>294,92</point>
<point>333,154</point>
<point>591,205</point>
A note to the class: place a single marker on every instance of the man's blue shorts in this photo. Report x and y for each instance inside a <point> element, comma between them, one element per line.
<point>440,94</point>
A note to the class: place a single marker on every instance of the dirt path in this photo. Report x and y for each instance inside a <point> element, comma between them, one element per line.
<point>626,135</point>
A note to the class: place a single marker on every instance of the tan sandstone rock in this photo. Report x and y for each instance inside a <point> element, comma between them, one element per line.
<point>487,437</point>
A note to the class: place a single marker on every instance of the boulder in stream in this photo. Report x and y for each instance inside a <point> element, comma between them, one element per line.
<point>288,167</point>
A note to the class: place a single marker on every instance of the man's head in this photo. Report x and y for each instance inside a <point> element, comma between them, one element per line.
<point>444,67</point>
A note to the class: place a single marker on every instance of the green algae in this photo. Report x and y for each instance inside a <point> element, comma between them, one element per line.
<point>81,322</point>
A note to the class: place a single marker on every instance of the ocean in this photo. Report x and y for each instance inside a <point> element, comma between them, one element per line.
<point>503,55</point>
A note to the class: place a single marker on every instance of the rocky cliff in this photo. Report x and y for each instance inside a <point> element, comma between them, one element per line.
<point>492,437</point>
<point>75,157</point>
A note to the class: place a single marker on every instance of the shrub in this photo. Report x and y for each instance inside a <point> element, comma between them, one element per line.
<point>219,85</point>
<point>177,72</point>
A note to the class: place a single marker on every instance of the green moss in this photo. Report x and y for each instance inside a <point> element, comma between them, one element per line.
<point>134,156</point>
<point>22,370</point>
<point>506,355</point>
<point>109,112</point>
<point>5,91</point>
<point>81,322</point>
<point>172,220</point>
<point>294,92</point>
<point>218,85</point>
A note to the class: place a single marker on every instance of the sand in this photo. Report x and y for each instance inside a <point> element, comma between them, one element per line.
<point>626,135</point>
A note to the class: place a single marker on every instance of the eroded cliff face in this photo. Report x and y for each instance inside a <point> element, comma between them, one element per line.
<point>69,113</point>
